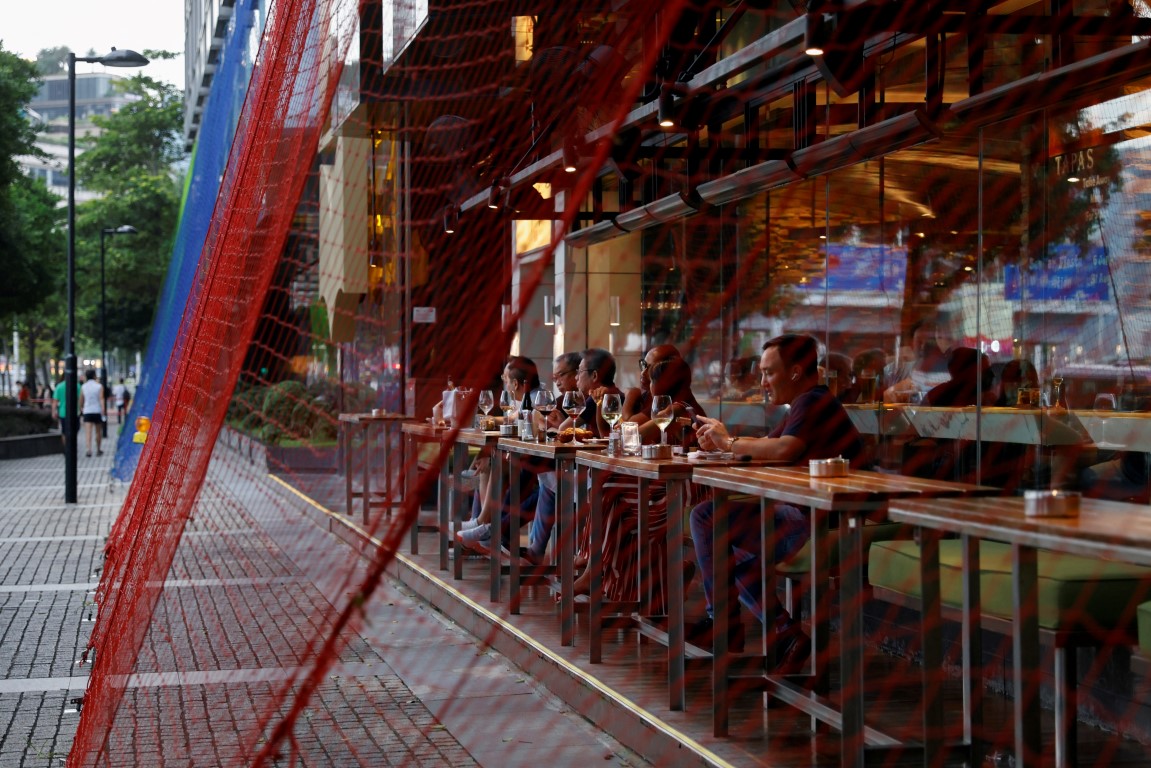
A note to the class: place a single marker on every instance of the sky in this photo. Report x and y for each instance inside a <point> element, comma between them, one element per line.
<point>100,25</point>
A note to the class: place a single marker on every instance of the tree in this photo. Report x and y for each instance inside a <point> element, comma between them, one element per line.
<point>31,240</point>
<point>143,137</point>
<point>18,84</point>
<point>132,162</point>
<point>53,61</point>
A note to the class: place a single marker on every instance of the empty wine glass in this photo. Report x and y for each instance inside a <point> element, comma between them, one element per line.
<point>1104,404</point>
<point>486,401</point>
<point>661,414</point>
<point>611,409</point>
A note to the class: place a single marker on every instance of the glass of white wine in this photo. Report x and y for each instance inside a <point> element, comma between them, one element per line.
<point>486,402</point>
<point>661,414</point>
<point>611,409</point>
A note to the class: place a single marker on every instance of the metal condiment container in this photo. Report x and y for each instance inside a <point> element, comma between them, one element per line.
<point>656,451</point>
<point>1054,503</point>
<point>836,467</point>
<point>509,430</point>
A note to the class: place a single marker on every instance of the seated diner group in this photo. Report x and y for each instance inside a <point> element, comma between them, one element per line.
<point>817,425</point>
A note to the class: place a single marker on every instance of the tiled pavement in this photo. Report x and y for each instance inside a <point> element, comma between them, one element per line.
<point>250,584</point>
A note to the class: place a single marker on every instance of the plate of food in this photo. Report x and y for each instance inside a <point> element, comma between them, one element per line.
<point>574,434</point>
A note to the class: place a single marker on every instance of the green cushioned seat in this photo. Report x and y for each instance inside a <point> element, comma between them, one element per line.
<point>799,565</point>
<point>1071,588</point>
<point>1143,616</point>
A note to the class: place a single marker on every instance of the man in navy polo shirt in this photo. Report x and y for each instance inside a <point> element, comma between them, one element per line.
<point>816,427</point>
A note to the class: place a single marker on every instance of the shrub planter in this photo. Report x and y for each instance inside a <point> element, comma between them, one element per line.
<point>29,446</point>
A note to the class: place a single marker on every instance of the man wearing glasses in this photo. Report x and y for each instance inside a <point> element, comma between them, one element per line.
<point>564,374</point>
<point>595,377</point>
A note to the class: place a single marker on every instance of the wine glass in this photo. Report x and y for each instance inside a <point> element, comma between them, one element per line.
<point>486,401</point>
<point>1104,403</point>
<point>661,414</point>
<point>544,402</point>
<point>508,405</point>
<point>573,404</point>
<point>611,409</point>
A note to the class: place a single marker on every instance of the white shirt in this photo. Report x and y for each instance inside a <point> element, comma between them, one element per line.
<point>91,394</point>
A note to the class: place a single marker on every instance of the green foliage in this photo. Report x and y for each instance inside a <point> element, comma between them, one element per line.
<point>281,416</point>
<point>131,161</point>
<point>290,412</point>
<point>141,140</point>
<point>53,61</point>
<point>30,242</point>
<point>32,246</point>
<point>18,85</point>
<point>16,422</point>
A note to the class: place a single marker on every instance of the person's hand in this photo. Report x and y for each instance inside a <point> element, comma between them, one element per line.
<point>597,393</point>
<point>712,435</point>
<point>481,465</point>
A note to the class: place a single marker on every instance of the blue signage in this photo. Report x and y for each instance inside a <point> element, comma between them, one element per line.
<point>1068,274</point>
<point>874,268</point>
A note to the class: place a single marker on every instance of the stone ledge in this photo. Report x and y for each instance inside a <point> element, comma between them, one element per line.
<point>30,446</point>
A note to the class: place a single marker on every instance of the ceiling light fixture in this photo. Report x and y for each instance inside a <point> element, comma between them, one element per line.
<point>571,155</point>
<point>814,34</point>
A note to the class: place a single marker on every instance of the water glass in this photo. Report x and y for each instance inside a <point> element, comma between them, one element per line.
<point>630,438</point>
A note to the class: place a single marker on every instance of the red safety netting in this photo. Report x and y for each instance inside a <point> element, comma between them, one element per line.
<point>379,232</point>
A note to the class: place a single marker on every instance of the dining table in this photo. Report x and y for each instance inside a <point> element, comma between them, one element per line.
<point>856,497</point>
<point>570,492</point>
<point>676,473</point>
<point>350,423</point>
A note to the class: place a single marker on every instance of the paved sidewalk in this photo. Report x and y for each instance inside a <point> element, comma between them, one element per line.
<point>248,588</point>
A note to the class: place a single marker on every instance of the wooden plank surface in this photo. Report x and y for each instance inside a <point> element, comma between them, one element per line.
<point>1111,529</point>
<point>857,489</point>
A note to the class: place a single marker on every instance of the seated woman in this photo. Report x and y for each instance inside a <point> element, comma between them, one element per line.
<point>521,378</point>
<point>622,578</point>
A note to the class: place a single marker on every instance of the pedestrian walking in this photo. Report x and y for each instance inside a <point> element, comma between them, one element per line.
<point>93,411</point>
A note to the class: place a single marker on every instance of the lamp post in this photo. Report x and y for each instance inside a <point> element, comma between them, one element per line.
<point>123,229</point>
<point>112,59</point>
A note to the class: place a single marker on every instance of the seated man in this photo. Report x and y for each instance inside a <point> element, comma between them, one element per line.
<point>564,374</point>
<point>817,427</point>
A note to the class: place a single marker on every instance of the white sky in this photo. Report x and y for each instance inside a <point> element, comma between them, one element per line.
<point>28,27</point>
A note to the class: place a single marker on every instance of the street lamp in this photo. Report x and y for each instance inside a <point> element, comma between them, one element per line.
<point>123,229</point>
<point>71,437</point>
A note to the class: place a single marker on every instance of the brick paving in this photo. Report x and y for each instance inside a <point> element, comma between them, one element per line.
<point>252,582</point>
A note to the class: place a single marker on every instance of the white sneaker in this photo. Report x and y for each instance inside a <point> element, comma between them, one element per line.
<point>480,534</point>
<point>468,524</point>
